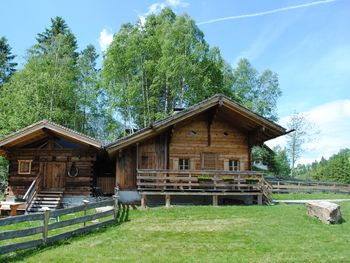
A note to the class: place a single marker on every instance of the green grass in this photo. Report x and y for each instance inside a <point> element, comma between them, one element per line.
<point>280,233</point>
<point>304,196</point>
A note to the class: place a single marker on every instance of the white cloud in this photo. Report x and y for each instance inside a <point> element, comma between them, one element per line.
<point>268,12</point>
<point>158,6</point>
<point>106,38</point>
<point>333,121</point>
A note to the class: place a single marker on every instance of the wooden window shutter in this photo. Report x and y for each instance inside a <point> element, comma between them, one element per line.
<point>226,165</point>
<point>175,163</point>
<point>192,164</point>
<point>209,161</point>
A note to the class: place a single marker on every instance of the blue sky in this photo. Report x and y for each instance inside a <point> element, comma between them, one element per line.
<point>306,42</point>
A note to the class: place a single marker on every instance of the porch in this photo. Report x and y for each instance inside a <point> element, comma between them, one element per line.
<point>215,183</point>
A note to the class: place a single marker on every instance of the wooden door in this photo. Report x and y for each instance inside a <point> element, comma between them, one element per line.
<point>53,175</point>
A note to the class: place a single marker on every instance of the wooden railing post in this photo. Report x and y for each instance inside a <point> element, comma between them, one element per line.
<point>115,207</point>
<point>46,224</point>
<point>167,201</point>
<point>85,209</point>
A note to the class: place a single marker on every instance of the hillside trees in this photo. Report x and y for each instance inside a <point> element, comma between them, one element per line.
<point>151,68</point>
<point>7,65</point>
<point>335,169</point>
<point>56,83</point>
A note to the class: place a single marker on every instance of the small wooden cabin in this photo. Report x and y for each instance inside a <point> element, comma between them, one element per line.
<point>50,162</point>
<point>204,150</point>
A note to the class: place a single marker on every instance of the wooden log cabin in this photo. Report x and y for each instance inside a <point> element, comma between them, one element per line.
<point>50,165</point>
<point>202,152</point>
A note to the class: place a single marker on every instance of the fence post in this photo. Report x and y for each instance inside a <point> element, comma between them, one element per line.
<point>46,224</point>
<point>85,209</point>
<point>115,207</point>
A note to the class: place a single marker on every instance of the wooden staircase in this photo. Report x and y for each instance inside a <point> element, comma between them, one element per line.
<point>46,198</point>
<point>266,189</point>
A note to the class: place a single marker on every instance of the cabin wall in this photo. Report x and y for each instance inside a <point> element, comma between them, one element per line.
<point>126,168</point>
<point>150,154</point>
<point>83,159</point>
<point>190,140</point>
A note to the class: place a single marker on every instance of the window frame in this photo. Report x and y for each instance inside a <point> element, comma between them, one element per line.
<point>184,164</point>
<point>234,165</point>
<point>20,167</point>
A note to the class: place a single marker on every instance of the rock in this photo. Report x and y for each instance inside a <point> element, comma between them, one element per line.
<point>327,212</point>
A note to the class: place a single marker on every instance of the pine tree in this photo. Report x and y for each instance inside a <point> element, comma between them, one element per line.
<point>7,66</point>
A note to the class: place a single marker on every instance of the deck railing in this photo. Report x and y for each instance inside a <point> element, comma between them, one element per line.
<point>201,180</point>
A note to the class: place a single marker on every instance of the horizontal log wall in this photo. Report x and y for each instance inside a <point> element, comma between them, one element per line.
<point>80,185</point>
<point>190,140</point>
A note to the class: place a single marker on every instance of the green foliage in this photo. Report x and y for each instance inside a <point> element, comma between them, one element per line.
<point>150,69</point>
<point>3,175</point>
<point>276,160</point>
<point>56,83</point>
<point>257,92</point>
<point>7,66</point>
<point>335,169</point>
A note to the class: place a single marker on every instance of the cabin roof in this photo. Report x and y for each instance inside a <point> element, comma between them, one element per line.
<point>42,129</point>
<point>234,111</point>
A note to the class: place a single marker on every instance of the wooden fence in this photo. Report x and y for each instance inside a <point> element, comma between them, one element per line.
<point>290,186</point>
<point>46,226</point>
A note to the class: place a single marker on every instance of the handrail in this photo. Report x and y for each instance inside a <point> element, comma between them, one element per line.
<point>30,189</point>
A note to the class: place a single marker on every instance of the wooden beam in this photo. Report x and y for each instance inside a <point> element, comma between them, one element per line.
<point>215,200</point>
<point>143,201</point>
<point>212,113</point>
<point>260,202</point>
<point>256,137</point>
<point>167,201</point>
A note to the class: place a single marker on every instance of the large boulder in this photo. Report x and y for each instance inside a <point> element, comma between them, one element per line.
<point>327,212</point>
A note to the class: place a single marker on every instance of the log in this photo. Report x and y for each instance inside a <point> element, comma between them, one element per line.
<point>327,212</point>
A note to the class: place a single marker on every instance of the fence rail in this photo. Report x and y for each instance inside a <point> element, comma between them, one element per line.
<point>47,226</point>
<point>288,186</point>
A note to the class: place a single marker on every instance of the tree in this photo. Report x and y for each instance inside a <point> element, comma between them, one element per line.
<point>164,63</point>
<point>281,162</point>
<point>44,88</point>
<point>257,92</point>
<point>7,66</point>
<point>276,160</point>
<point>48,38</point>
<point>88,91</point>
<point>303,132</point>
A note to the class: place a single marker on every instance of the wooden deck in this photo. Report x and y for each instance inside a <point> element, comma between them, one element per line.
<point>199,182</point>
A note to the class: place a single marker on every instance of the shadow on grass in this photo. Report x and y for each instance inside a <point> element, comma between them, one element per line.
<point>122,217</point>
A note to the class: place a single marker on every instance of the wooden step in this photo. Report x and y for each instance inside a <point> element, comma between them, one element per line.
<point>53,199</point>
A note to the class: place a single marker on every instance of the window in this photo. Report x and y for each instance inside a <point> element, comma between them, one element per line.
<point>184,164</point>
<point>24,166</point>
<point>233,165</point>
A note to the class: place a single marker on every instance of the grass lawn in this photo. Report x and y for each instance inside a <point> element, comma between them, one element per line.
<point>280,233</point>
<point>304,196</point>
